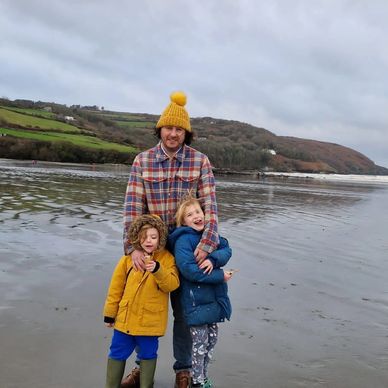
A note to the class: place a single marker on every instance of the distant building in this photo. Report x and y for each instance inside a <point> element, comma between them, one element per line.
<point>48,109</point>
<point>270,151</point>
<point>69,118</point>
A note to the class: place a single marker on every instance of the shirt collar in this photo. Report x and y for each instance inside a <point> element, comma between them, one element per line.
<point>161,154</point>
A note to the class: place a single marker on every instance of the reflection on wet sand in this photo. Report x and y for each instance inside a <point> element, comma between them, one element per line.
<point>87,193</point>
<point>309,301</point>
<point>243,199</point>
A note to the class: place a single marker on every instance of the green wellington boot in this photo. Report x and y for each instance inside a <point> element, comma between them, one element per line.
<point>114,373</point>
<point>147,373</point>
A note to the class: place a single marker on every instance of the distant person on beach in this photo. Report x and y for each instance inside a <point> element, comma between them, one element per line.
<point>204,292</point>
<point>159,178</point>
<point>137,303</point>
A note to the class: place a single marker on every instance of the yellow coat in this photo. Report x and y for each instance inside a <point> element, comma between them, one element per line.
<point>138,301</point>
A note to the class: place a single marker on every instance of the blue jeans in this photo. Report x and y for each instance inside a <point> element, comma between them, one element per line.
<point>181,341</point>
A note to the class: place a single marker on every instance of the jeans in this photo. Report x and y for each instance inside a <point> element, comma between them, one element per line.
<point>181,335</point>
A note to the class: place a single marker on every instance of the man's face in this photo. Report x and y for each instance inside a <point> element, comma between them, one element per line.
<point>172,138</point>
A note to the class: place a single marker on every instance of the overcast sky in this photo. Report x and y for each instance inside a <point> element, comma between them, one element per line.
<point>310,69</point>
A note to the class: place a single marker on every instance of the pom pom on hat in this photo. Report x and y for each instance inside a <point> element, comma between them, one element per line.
<point>179,98</point>
<point>175,114</point>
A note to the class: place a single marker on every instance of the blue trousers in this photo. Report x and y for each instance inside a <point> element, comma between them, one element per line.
<point>123,345</point>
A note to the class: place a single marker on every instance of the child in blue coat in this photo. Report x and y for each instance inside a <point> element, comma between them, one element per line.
<point>204,292</point>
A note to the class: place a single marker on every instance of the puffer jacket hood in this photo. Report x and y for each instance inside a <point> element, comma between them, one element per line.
<point>176,233</point>
<point>147,219</point>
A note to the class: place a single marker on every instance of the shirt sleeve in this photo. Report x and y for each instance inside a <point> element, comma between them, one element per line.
<point>207,196</point>
<point>135,200</point>
<point>222,254</point>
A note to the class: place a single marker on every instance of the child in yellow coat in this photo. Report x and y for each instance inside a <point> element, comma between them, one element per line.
<point>137,302</point>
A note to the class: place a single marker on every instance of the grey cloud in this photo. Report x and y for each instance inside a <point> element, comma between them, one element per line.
<point>308,69</point>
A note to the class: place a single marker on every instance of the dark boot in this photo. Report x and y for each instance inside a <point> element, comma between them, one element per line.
<point>114,373</point>
<point>147,373</point>
<point>132,380</point>
<point>182,379</point>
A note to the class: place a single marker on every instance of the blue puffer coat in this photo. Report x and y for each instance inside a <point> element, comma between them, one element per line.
<point>204,297</point>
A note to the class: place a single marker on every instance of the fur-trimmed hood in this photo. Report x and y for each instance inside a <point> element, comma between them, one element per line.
<point>147,219</point>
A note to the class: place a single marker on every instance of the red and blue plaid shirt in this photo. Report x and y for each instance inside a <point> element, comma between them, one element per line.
<point>157,183</point>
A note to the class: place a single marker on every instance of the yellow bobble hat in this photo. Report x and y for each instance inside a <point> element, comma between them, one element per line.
<point>175,114</point>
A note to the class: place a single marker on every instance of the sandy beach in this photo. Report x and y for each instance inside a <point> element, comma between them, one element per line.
<point>310,301</point>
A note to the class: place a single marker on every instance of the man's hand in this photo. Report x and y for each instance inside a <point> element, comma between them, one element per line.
<point>200,255</point>
<point>110,325</point>
<point>207,265</point>
<point>138,260</point>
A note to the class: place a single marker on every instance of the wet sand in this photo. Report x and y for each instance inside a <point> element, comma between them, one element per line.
<point>310,302</point>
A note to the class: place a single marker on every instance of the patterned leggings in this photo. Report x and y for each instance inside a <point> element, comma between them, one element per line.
<point>204,339</point>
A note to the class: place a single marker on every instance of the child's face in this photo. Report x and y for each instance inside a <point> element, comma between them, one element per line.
<point>151,240</point>
<point>194,217</point>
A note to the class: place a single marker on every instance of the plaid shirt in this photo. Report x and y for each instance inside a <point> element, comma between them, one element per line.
<point>157,183</point>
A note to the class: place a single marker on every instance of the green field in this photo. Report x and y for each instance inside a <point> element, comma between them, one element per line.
<point>79,140</point>
<point>126,120</point>
<point>134,124</point>
<point>32,112</point>
<point>114,116</point>
<point>28,121</point>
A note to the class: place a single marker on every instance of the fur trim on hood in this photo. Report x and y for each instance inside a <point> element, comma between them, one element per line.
<point>147,219</point>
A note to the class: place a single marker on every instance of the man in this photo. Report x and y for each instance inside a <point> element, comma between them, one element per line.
<point>159,178</point>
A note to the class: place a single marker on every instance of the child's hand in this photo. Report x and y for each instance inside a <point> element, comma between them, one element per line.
<point>110,325</point>
<point>227,275</point>
<point>207,265</point>
<point>150,265</point>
